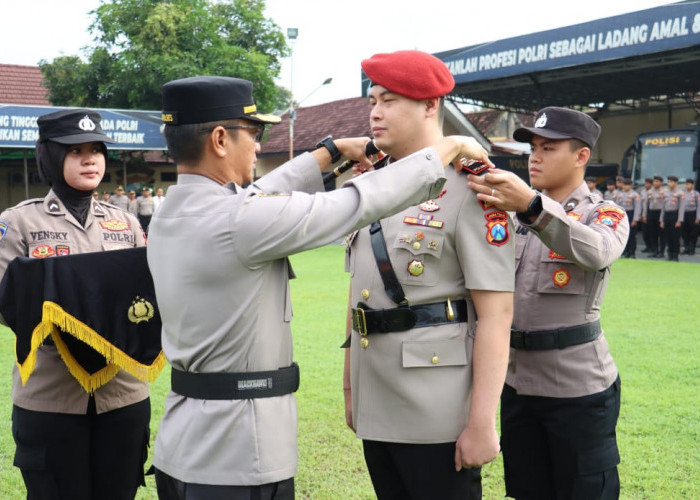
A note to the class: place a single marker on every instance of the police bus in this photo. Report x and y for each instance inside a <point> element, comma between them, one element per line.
<point>667,152</point>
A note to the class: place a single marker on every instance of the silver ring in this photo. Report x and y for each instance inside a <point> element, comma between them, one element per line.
<point>493,190</point>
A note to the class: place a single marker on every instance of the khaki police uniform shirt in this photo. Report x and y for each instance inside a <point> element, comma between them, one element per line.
<point>631,201</point>
<point>218,259</point>
<point>655,199</point>
<point>415,386</point>
<point>673,201</point>
<point>691,205</point>
<point>120,200</point>
<point>562,271</point>
<point>40,228</point>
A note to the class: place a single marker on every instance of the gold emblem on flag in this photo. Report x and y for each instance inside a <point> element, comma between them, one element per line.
<point>140,310</point>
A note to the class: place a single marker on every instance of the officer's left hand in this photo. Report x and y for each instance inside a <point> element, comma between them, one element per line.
<point>503,189</point>
<point>476,447</point>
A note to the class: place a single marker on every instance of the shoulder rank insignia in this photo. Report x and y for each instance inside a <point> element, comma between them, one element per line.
<point>474,167</point>
<point>114,225</point>
<point>610,216</point>
<point>561,277</point>
<point>497,227</point>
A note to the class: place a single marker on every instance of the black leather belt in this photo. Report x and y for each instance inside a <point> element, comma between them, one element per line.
<point>398,319</point>
<point>243,385</point>
<point>554,339</point>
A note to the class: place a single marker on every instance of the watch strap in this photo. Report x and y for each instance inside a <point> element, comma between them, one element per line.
<point>327,142</point>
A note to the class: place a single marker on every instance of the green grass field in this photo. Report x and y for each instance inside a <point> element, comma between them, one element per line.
<point>651,316</point>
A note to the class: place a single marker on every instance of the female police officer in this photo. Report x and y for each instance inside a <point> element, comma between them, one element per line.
<point>71,443</point>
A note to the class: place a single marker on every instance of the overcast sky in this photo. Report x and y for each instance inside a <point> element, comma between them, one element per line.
<point>334,36</point>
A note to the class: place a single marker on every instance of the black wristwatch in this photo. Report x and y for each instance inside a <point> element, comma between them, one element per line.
<point>534,209</point>
<point>327,142</point>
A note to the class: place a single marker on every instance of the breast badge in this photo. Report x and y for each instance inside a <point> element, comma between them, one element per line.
<point>140,310</point>
<point>429,206</point>
<point>114,225</point>
<point>415,267</point>
<point>561,277</point>
<point>497,227</point>
<point>43,251</point>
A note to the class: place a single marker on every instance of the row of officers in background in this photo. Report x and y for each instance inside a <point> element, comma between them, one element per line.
<point>664,214</point>
<point>143,207</point>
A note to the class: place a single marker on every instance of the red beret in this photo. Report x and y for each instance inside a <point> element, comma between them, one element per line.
<point>411,73</point>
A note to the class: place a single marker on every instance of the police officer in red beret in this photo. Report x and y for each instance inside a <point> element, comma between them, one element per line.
<point>561,400</point>
<point>422,378</point>
<point>218,255</point>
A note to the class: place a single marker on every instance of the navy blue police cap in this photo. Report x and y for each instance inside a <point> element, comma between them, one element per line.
<point>203,99</point>
<point>561,123</point>
<point>72,126</point>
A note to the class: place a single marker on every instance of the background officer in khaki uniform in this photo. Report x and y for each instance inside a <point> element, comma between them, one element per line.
<point>230,424</point>
<point>672,218</point>
<point>691,217</point>
<point>120,199</point>
<point>72,444</point>
<point>631,202</point>
<point>644,193</point>
<point>561,400</point>
<point>652,216</point>
<point>422,395</point>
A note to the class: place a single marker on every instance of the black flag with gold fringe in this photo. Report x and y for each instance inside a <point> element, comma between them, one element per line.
<point>99,309</point>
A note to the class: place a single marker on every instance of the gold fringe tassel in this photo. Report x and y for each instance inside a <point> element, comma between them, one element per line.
<point>54,316</point>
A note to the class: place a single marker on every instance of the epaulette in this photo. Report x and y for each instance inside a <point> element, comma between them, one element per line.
<point>473,167</point>
<point>31,201</point>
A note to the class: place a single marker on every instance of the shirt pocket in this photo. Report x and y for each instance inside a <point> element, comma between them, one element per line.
<point>557,274</point>
<point>415,257</point>
<point>434,353</point>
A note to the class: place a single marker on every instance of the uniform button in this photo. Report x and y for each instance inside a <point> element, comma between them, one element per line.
<point>435,360</point>
<point>428,156</point>
<point>364,342</point>
<point>416,245</point>
<point>365,293</point>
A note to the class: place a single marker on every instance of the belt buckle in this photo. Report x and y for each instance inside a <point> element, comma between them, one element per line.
<point>359,322</point>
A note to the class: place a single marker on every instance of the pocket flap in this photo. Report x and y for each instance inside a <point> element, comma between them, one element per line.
<point>600,459</point>
<point>451,352</point>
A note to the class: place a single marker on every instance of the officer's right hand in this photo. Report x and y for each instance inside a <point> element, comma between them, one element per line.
<point>455,147</point>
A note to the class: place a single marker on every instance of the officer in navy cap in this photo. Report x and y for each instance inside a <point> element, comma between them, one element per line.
<point>74,440</point>
<point>422,394</point>
<point>218,255</point>
<point>561,400</point>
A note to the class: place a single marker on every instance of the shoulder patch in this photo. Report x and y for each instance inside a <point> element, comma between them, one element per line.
<point>610,216</point>
<point>3,229</point>
<point>497,228</point>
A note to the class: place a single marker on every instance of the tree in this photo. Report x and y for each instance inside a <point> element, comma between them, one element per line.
<point>141,44</point>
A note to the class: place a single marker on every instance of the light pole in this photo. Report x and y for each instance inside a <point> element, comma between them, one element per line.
<point>293,115</point>
<point>292,34</point>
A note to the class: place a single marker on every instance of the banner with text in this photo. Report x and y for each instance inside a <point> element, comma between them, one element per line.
<point>670,27</point>
<point>130,130</point>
